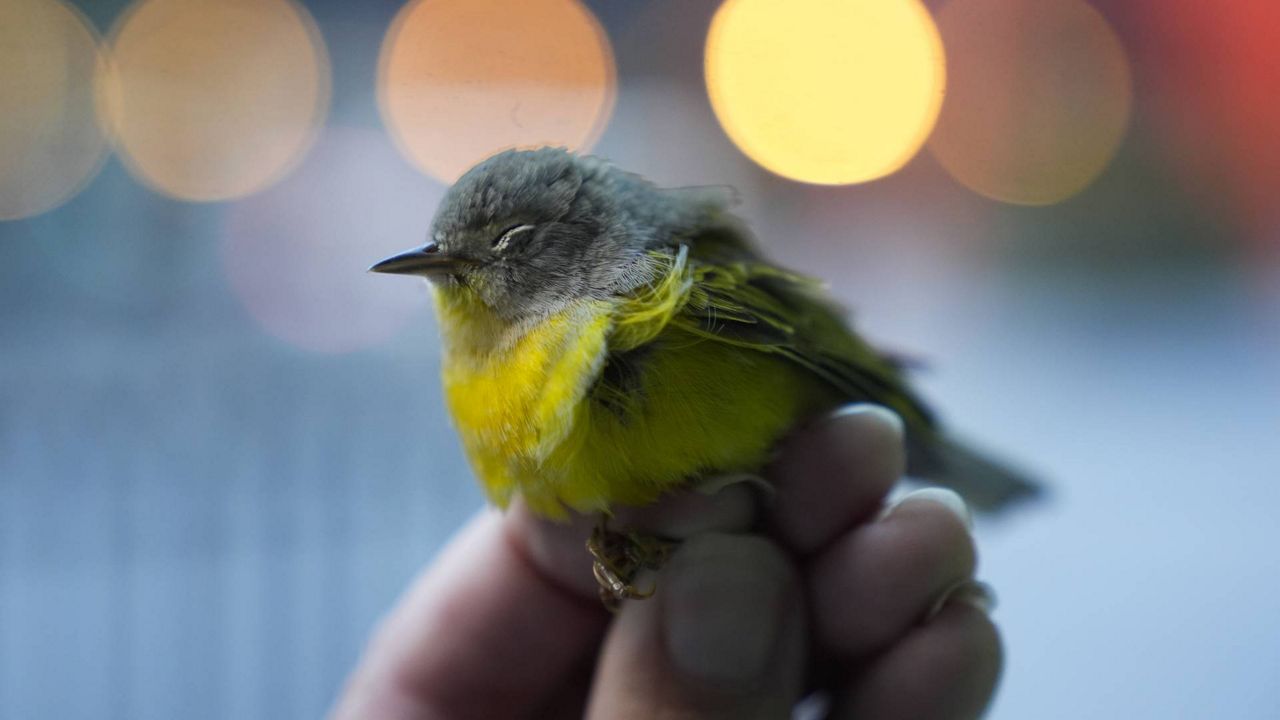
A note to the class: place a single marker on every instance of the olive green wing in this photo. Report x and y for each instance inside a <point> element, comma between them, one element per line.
<point>759,307</point>
<point>722,291</point>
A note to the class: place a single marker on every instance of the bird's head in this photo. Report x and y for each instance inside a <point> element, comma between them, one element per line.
<point>529,231</point>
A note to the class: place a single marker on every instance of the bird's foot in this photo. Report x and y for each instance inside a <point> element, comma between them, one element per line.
<point>620,557</point>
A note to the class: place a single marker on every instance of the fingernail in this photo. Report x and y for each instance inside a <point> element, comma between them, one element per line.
<point>890,417</point>
<point>723,599</point>
<point>974,593</point>
<point>715,483</point>
<point>941,496</point>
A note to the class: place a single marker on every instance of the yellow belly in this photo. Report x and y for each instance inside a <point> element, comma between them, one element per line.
<point>531,424</point>
<point>702,409</point>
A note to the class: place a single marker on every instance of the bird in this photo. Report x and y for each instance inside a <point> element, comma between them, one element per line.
<point>607,341</point>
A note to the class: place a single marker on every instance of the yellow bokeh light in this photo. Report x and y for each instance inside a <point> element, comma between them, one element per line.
<point>1039,97</point>
<point>215,99</point>
<point>462,79</point>
<point>50,141</point>
<point>826,91</point>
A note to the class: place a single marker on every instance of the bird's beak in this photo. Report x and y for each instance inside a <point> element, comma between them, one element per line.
<point>427,260</point>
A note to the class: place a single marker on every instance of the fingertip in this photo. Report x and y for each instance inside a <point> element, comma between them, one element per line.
<point>834,474</point>
<point>947,668</point>
<point>894,571</point>
<point>557,549</point>
<point>722,637</point>
<point>873,413</point>
<point>720,504</point>
<point>723,601</point>
<point>947,499</point>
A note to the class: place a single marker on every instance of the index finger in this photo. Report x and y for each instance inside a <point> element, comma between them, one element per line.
<point>506,616</point>
<point>483,633</point>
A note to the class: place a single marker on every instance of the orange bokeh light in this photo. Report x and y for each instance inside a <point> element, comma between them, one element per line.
<point>461,79</point>
<point>215,99</point>
<point>1038,100</point>
<point>50,141</point>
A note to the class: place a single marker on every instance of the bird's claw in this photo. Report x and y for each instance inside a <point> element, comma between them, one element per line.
<point>618,558</point>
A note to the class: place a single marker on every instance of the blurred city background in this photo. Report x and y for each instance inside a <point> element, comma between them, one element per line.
<point>223,450</point>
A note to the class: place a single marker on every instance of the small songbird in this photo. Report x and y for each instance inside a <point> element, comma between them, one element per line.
<point>607,341</point>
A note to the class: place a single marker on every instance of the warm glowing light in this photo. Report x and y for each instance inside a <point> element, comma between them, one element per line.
<point>296,254</point>
<point>826,91</point>
<point>462,79</point>
<point>1038,101</point>
<point>50,142</point>
<point>215,99</point>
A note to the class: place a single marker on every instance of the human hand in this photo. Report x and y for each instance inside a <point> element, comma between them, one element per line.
<point>875,608</point>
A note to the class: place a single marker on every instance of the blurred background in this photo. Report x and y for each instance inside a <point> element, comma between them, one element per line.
<point>223,450</point>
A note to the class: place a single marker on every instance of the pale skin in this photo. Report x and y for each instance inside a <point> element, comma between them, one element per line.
<point>834,593</point>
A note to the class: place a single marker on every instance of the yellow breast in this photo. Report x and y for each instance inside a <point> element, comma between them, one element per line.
<point>514,392</point>
<point>528,410</point>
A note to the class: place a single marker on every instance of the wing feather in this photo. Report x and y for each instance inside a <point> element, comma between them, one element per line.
<point>760,307</point>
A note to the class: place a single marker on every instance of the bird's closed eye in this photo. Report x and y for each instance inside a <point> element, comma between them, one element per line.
<point>504,240</point>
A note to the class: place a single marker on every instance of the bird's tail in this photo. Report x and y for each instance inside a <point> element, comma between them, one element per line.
<point>985,484</point>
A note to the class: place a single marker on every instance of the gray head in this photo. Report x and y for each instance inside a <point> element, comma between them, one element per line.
<point>530,230</point>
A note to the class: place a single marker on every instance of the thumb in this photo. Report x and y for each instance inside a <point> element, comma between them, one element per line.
<point>722,637</point>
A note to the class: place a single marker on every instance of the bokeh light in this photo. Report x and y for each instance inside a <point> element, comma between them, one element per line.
<point>461,79</point>
<point>1038,99</point>
<point>1215,71</point>
<point>215,99</point>
<point>50,141</point>
<point>826,91</point>
<point>296,255</point>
